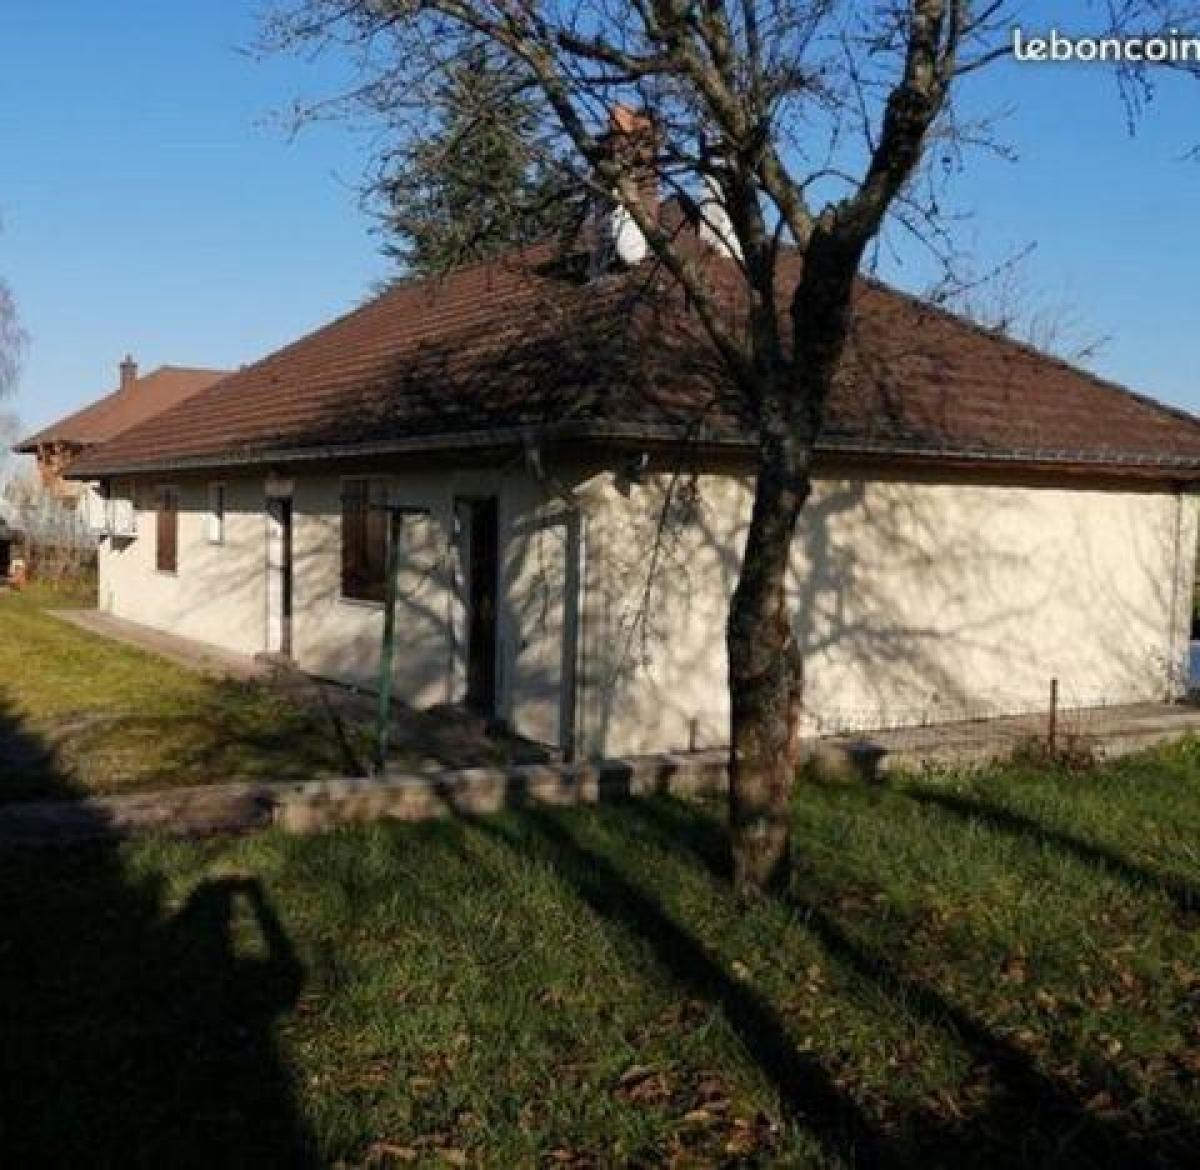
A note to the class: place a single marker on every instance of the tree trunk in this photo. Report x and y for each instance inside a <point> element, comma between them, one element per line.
<point>765,676</point>
<point>766,667</point>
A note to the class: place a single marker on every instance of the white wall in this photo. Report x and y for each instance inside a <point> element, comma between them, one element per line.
<point>340,638</point>
<point>218,593</point>
<point>914,601</point>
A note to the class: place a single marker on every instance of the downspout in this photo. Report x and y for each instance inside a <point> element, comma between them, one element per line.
<point>578,707</point>
<point>1182,592</point>
<point>1173,663</point>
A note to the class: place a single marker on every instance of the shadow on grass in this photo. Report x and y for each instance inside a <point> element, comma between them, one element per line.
<point>132,1035</point>
<point>1031,1119</point>
<point>808,1095</point>
<point>239,731</point>
<point>1185,896</point>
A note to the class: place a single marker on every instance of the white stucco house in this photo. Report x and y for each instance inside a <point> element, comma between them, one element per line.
<point>986,519</point>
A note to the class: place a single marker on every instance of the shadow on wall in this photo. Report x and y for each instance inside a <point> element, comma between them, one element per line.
<point>137,1033</point>
<point>340,638</point>
<point>915,602</point>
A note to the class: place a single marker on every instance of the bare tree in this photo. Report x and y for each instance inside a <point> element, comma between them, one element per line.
<point>57,543</point>
<point>12,341</point>
<point>10,430</point>
<point>810,120</point>
<point>1006,300</point>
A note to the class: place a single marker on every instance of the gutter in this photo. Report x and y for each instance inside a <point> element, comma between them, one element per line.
<point>1173,612</point>
<point>1111,459</point>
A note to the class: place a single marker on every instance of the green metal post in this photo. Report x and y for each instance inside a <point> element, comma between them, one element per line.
<point>388,651</point>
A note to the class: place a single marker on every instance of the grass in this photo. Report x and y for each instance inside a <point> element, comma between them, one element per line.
<point>97,717</point>
<point>999,970</point>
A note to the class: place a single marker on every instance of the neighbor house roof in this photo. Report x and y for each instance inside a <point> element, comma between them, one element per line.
<point>527,347</point>
<point>108,417</point>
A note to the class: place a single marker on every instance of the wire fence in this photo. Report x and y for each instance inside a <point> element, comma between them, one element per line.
<point>1065,725</point>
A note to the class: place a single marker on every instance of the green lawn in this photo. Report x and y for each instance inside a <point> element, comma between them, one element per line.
<point>81,715</point>
<point>999,971</point>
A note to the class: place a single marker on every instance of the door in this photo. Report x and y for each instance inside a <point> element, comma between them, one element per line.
<point>483,543</point>
<point>279,576</point>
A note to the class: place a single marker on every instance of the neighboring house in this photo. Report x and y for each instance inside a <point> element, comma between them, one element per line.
<point>136,399</point>
<point>12,539</point>
<point>986,518</point>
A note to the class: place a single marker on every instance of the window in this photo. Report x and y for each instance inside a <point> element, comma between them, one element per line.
<point>216,513</point>
<point>364,542</point>
<point>166,551</point>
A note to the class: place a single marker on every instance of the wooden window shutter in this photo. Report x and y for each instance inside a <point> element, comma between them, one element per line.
<point>352,536</point>
<point>376,553</point>
<point>167,534</point>
<point>364,543</point>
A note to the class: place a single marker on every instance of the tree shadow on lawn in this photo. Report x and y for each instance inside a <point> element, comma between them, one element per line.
<point>807,1092</point>
<point>239,731</point>
<point>1030,1119</point>
<point>1184,895</point>
<point>134,1036</point>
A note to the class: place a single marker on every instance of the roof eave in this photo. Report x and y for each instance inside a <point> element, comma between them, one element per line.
<point>1115,462</point>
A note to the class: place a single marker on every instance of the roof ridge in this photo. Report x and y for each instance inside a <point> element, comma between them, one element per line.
<point>186,370</point>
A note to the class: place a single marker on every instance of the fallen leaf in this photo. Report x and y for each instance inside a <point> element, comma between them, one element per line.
<point>380,1153</point>
<point>635,1073</point>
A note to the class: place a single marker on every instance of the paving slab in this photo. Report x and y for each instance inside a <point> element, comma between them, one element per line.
<point>1104,732</point>
<point>186,652</point>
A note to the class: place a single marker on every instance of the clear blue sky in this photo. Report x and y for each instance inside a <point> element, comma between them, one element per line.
<point>150,202</point>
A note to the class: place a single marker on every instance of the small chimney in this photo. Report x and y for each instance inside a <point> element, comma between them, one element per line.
<point>634,145</point>
<point>128,373</point>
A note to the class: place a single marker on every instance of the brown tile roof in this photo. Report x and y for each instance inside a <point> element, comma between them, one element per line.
<point>117,412</point>
<point>526,345</point>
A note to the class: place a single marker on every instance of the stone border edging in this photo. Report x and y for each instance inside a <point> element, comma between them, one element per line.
<point>325,804</point>
<point>319,805</point>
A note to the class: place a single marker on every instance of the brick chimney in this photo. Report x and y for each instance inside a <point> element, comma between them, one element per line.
<point>633,142</point>
<point>128,373</point>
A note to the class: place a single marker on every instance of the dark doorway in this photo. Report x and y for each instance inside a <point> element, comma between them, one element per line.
<point>483,545</point>
<point>5,558</point>
<point>279,547</point>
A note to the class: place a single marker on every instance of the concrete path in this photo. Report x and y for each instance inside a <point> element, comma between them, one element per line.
<point>432,740</point>
<point>431,788</point>
<point>182,651</point>
<point>1105,732</point>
